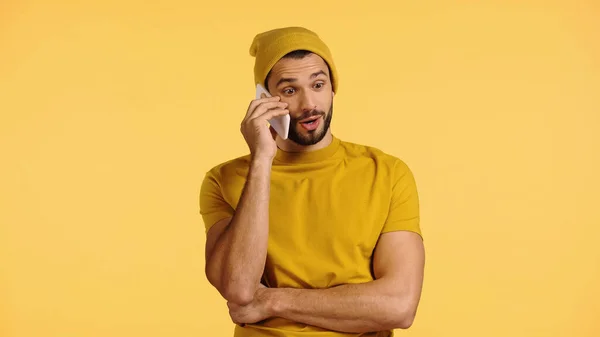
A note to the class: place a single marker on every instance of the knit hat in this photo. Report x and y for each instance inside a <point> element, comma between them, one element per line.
<point>270,46</point>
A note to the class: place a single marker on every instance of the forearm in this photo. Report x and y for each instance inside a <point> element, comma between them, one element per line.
<point>372,306</point>
<point>240,254</point>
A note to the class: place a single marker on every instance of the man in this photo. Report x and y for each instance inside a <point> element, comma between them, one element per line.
<point>310,235</point>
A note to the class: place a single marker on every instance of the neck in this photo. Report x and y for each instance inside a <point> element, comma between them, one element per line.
<point>290,146</point>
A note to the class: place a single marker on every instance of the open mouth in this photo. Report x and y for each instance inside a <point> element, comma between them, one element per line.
<point>311,123</point>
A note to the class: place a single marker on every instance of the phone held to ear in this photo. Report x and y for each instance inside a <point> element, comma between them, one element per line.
<point>281,124</point>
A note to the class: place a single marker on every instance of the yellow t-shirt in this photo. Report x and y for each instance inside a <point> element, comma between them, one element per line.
<point>327,210</point>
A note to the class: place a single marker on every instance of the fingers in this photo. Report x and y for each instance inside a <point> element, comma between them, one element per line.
<point>255,103</point>
<point>265,107</point>
<point>274,113</point>
<point>233,315</point>
<point>262,119</point>
<point>233,306</point>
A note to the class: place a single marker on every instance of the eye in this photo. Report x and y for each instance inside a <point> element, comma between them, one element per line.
<point>319,85</point>
<point>288,91</point>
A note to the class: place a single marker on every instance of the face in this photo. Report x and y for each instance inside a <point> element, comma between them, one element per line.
<point>305,85</point>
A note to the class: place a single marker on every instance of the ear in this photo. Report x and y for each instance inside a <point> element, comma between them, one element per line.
<point>332,94</point>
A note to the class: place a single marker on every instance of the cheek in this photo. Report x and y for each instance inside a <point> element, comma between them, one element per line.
<point>326,103</point>
<point>292,105</point>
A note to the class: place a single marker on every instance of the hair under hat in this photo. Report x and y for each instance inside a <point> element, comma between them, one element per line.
<point>270,46</point>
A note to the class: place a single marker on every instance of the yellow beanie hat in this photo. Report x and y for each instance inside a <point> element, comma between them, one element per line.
<point>270,46</point>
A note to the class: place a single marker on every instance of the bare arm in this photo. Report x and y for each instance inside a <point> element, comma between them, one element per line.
<point>236,247</point>
<point>388,302</point>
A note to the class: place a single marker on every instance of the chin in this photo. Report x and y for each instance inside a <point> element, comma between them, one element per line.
<point>311,138</point>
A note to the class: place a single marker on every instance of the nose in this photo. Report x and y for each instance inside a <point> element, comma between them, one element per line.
<point>307,103</point>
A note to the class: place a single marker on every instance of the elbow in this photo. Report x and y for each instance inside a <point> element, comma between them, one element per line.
<point>404,323</point>
<point>230,291</point>
<point>403,317</point>
<point>239,295</point>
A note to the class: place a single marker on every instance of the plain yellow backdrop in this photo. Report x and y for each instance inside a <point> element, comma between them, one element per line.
<point>111,112</point>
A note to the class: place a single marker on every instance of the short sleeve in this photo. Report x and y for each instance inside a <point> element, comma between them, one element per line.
<point>213,206</point>
<point>404,203</point>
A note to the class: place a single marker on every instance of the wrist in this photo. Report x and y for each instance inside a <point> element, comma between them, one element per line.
<point>275,301</point>
<point>261,161</point>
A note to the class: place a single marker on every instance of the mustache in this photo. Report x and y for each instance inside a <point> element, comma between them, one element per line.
<point>308,114</point>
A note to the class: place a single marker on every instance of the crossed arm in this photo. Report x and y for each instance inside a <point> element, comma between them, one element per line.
<point>388,302</point>
<point>235,259</point>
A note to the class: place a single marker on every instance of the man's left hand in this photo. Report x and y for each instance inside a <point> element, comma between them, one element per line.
<point>256,311</point>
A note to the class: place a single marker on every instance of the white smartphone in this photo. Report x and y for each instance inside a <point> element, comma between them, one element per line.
<point>281,124</point>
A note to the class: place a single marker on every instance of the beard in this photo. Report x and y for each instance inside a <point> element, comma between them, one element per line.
<point>314,136</point>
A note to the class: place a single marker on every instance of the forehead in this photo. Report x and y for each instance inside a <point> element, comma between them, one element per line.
<point>293,67</point>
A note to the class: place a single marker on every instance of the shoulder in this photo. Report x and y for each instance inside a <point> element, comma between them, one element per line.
<point>381,157</point>
<point>228,168</point>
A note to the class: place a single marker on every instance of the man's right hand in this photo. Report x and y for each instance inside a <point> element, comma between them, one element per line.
<point>258,135</point>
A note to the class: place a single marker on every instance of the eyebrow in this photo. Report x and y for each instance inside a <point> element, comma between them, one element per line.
<point>291,80</point>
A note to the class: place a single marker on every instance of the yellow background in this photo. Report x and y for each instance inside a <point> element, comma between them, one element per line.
<point>112,111</point>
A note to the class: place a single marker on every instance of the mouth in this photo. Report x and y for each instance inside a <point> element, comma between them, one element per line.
<point>311,123</point>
